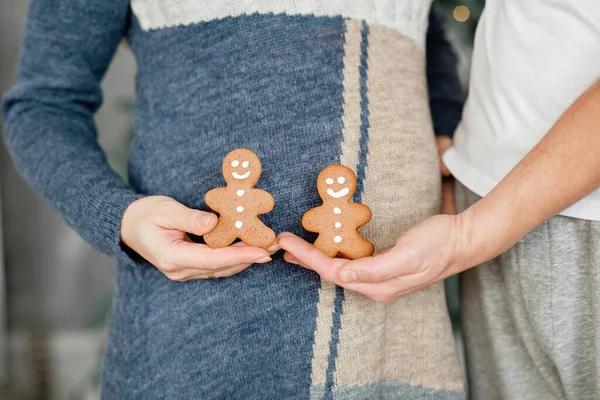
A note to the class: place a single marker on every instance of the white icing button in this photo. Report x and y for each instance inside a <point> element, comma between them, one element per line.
<point>240,192</point>
<point>239,224</point>
<point>337,210</point>
<point>341,180</point>
<point>338,224</point>
<point>235,163</point>
<point>239,209</point>
<point>245,164</point>
<point>329,181</point>
<point>337,239</point>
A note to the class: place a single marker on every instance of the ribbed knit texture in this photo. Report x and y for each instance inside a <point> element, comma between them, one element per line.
<point>303,86</point>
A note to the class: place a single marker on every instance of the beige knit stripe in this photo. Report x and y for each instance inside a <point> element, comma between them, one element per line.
<point>322,333</point>
<point>351,132</point>
<point>410,340</point>
<point>349,157</point>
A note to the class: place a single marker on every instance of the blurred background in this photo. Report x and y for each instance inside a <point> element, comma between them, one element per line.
<point>55,290</point>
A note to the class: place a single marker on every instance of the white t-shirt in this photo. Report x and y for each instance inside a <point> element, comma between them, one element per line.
<point>531,61</point>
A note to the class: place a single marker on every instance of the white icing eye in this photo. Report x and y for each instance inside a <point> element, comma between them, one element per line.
<point>245,164</point>
<point>341,180</point>
<point>329,181</point>
<point>235,163</point>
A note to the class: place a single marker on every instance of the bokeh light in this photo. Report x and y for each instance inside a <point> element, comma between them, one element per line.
<point>461,13</point>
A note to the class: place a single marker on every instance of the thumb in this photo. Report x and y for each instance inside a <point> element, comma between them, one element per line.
<point>186,219</point>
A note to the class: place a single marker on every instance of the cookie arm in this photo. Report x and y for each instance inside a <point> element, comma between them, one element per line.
<point>361,214</point>
<point>310,220</point>
<point>266,201</point>
<point>214,198</point>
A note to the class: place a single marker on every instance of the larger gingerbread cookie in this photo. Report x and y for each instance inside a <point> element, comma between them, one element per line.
<point>239,203</point>
<point>337,220</point>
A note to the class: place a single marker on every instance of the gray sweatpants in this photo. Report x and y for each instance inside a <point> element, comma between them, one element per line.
<point>531,317</point>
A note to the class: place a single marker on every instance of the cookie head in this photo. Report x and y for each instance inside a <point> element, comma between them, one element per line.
<point>336,182</point>
<point>241,167</point>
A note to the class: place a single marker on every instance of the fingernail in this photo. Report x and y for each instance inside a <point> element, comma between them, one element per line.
<point>264,260</point>
<point>274,247</point>
<point>348,276</point>
<point>291,259</point>
<point>207,220</point>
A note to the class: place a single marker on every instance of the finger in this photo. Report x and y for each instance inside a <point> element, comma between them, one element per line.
<point>304,254</point>
<point>380,292</point>
<point>311,258</point>
<point>290,258</point>
<point>186,274</point>
<point>200,256</point>
<point>293,260</point>
<point>177,216</point>
<point>377,268</point>
<point>357,272</point>
<point>274,248</point>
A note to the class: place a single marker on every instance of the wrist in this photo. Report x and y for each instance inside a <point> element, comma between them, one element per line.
<point>130,215</point>
<point>468,247</point>
<point>480,236</point>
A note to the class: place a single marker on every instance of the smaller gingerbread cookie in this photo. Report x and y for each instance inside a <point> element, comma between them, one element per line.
<point>337,220</point>
<point>239,203</point>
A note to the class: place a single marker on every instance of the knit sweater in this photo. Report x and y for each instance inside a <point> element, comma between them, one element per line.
<point>302,83</point>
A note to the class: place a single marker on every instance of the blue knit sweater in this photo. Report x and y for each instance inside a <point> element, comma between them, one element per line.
<point>280,81</point>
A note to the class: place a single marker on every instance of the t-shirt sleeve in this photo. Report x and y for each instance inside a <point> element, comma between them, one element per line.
<point>49,114</point>
<point>445,92</point>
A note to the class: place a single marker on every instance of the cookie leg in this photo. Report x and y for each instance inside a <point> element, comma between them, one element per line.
<point>360,248</point>
<point>221,236</point>
<point>257,234</point>
<point>326,246</point>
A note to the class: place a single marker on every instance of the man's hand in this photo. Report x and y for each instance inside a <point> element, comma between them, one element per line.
<point>561,169</point>
<point>156,228</point>
<point>427,253</point>
<point>448,207</point>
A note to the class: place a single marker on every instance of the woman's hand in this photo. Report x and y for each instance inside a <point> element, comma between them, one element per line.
<point>427,253</point>
<point>156,228</point>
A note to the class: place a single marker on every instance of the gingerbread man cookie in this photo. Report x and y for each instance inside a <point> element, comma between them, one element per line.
<point>239,203</point>
<point>337,220</point>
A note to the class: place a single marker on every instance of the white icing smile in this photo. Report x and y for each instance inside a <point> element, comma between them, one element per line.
<point>340,193</point>
<point>238,176</point>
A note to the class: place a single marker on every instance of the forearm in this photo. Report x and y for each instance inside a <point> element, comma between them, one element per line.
<point>561,169</point>
<point>49,114</point>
